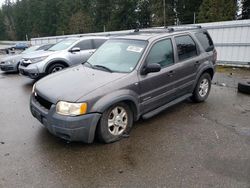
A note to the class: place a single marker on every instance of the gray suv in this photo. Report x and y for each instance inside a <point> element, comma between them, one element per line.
<point>68,52</point>
<point>128,77</point>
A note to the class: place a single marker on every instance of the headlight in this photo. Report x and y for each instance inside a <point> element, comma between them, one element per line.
<point>71,109</point>
<point>38,59</point>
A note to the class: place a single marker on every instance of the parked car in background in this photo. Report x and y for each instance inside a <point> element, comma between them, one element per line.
<point>128,77</point>
<point>21,46</point>
<point>71,51</point>
<point>10,63</point>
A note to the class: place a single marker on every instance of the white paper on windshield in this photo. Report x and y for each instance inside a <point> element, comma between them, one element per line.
<point>134,49</point>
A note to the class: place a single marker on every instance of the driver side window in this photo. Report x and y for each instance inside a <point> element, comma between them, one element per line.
<point>84,45</point>
<point>161,53</point>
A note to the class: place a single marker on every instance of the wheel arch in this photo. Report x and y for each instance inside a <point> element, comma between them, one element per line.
<point>107,101</point>
<point>207,69</point>
<point>56,62</point>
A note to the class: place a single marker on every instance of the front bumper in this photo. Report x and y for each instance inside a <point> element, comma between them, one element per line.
<point>79,128</point>
<point>8,68</point>
<point>32,73</point>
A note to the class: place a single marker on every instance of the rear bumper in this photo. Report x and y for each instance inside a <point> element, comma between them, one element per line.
<point>79,128</point>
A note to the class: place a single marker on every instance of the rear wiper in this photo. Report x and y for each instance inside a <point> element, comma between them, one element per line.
<point>103,67</point>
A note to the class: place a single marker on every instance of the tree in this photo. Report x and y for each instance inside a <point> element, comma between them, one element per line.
<point>2,26</point>
<point>186,9</point>
<point>246,9</point>
<point>157,16</point>
<point>217,10</point>
<point>80,23</point>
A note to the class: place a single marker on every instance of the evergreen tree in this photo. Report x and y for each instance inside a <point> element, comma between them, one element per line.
<point>2,26</point>
<point>246,9</point>
<point>157,16</point>
<point>217,10</point>
<point>186,9</point>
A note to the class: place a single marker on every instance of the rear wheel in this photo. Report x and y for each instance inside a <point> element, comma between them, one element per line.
<point>55,68</point>
<point>115,121</point>
<point>202,88</point>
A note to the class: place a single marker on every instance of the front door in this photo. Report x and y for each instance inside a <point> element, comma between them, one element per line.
<point>86,47</point>
<point>158,88</point>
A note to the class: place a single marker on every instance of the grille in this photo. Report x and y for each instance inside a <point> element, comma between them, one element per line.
<point>43,102</point>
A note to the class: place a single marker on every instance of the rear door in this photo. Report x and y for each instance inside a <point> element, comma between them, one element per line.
<point>189,59</point>
<point>157,88</point>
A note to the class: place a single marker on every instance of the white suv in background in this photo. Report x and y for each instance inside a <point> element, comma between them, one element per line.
<point>68,52</point>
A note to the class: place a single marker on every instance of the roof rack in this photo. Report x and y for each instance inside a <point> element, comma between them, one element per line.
<point>168,29</point>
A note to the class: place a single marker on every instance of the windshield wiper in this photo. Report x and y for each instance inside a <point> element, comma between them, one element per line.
<point>103,67</point>
<point>88,64</point>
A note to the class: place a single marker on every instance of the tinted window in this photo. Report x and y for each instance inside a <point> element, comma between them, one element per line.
<point>186,47</point>
<point>98,42</point>
<point>161,53</point>
<point>205,41</point>
<point>84,45</point>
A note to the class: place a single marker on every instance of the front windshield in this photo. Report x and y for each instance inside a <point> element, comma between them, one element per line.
<point>118,55</point>
<point>30,49</point>
<point>62,45</point>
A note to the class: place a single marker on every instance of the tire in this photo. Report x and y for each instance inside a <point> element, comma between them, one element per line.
<point>244,87</point>
<point>201,93</point>
<point>114,132</point>
<point>55,68</point>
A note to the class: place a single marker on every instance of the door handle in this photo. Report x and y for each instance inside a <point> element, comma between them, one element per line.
<point>170,73</point>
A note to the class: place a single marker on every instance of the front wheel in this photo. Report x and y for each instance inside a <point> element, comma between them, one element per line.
<point>202,88</point>
<point>55,68</point>
<point>115,121</point>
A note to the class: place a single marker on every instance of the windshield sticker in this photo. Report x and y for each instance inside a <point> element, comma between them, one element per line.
<point>134,49</point>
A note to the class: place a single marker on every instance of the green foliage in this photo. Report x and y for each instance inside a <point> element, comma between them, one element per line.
<point>217,10</point>
<point>186,10</point>
<point>2,26</point>
<point>38,18</point>
<point>246,9</point>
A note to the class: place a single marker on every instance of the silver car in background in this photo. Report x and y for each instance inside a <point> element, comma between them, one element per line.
<point>66,53</point>
<point>10,63</point>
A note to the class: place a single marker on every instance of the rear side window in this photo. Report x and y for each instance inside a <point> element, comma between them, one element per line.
<point>186,47</point>
<point>84,45</point>
<point>161,53</point>
<point>205,41</point>
<point>98,42</point>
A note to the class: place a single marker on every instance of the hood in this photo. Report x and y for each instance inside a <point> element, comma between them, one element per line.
<point>73,83</point>
<point>37,54</point>
<point>15,58</point>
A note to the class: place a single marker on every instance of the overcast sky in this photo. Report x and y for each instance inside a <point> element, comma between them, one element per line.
<point>1,2</point>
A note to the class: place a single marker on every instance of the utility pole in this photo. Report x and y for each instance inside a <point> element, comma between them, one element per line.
<point>164,12</point>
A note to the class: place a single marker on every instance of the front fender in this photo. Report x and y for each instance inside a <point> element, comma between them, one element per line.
<point>115,97</point>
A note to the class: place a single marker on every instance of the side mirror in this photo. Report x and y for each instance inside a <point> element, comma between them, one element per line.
<point>150,68</point>
<point>75,49</point>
